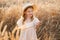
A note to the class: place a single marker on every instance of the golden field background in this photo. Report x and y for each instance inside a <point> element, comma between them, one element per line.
<point>48,12</point>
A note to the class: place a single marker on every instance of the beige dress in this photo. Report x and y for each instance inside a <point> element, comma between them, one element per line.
<point>29,33</point>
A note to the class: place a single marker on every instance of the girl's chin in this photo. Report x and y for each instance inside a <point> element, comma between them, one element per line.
<point>30,15</point>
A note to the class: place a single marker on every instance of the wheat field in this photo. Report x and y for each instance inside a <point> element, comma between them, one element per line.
<point>48,12</point>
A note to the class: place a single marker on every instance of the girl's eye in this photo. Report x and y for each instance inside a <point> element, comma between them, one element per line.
<point>29,11</point>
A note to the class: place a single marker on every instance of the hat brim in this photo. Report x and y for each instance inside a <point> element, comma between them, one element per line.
<point>33,5</point>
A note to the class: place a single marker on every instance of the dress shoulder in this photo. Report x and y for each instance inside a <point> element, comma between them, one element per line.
<point>19,22</point>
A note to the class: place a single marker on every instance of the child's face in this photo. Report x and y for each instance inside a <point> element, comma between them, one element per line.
<point>29,12</point>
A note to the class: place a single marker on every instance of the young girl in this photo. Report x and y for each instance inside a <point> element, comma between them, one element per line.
<point>28,23</point>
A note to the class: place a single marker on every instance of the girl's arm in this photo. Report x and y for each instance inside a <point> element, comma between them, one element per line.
<point>38,25</point>
<point>21,27</point>
<point>18,28</point>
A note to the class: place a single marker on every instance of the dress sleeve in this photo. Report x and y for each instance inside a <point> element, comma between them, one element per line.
<point>36,20</point>
<point>19,22</point>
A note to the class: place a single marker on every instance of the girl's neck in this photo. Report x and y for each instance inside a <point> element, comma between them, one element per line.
<point>28,19</point>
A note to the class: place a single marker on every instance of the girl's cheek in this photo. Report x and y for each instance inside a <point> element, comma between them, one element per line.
<point>29,13</point>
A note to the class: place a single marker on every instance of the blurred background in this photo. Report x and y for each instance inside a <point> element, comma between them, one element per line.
<point>48,12</point>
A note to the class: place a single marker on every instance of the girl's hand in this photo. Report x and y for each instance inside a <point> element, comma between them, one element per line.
<point>22,27</point>
<point>38,25</point>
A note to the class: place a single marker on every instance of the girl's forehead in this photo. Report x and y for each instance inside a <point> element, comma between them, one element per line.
<point>28,8</point>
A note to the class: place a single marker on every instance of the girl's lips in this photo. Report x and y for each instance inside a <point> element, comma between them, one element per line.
<point>30,14</point>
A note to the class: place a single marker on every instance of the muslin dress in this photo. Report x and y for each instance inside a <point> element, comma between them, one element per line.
<point>29,33</point>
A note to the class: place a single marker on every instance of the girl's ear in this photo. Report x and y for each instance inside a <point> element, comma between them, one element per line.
<point>24,12</point>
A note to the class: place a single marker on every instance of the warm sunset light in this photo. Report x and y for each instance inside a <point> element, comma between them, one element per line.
<point>41,19</point>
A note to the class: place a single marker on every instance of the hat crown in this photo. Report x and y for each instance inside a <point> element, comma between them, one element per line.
<point>26,5</point>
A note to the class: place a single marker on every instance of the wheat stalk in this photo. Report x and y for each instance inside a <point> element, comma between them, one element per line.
<point>4,29</point>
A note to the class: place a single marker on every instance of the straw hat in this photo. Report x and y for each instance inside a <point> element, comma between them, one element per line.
<point>24,6</point>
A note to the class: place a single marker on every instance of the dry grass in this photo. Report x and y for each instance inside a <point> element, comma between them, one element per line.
<point>48,13</point>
